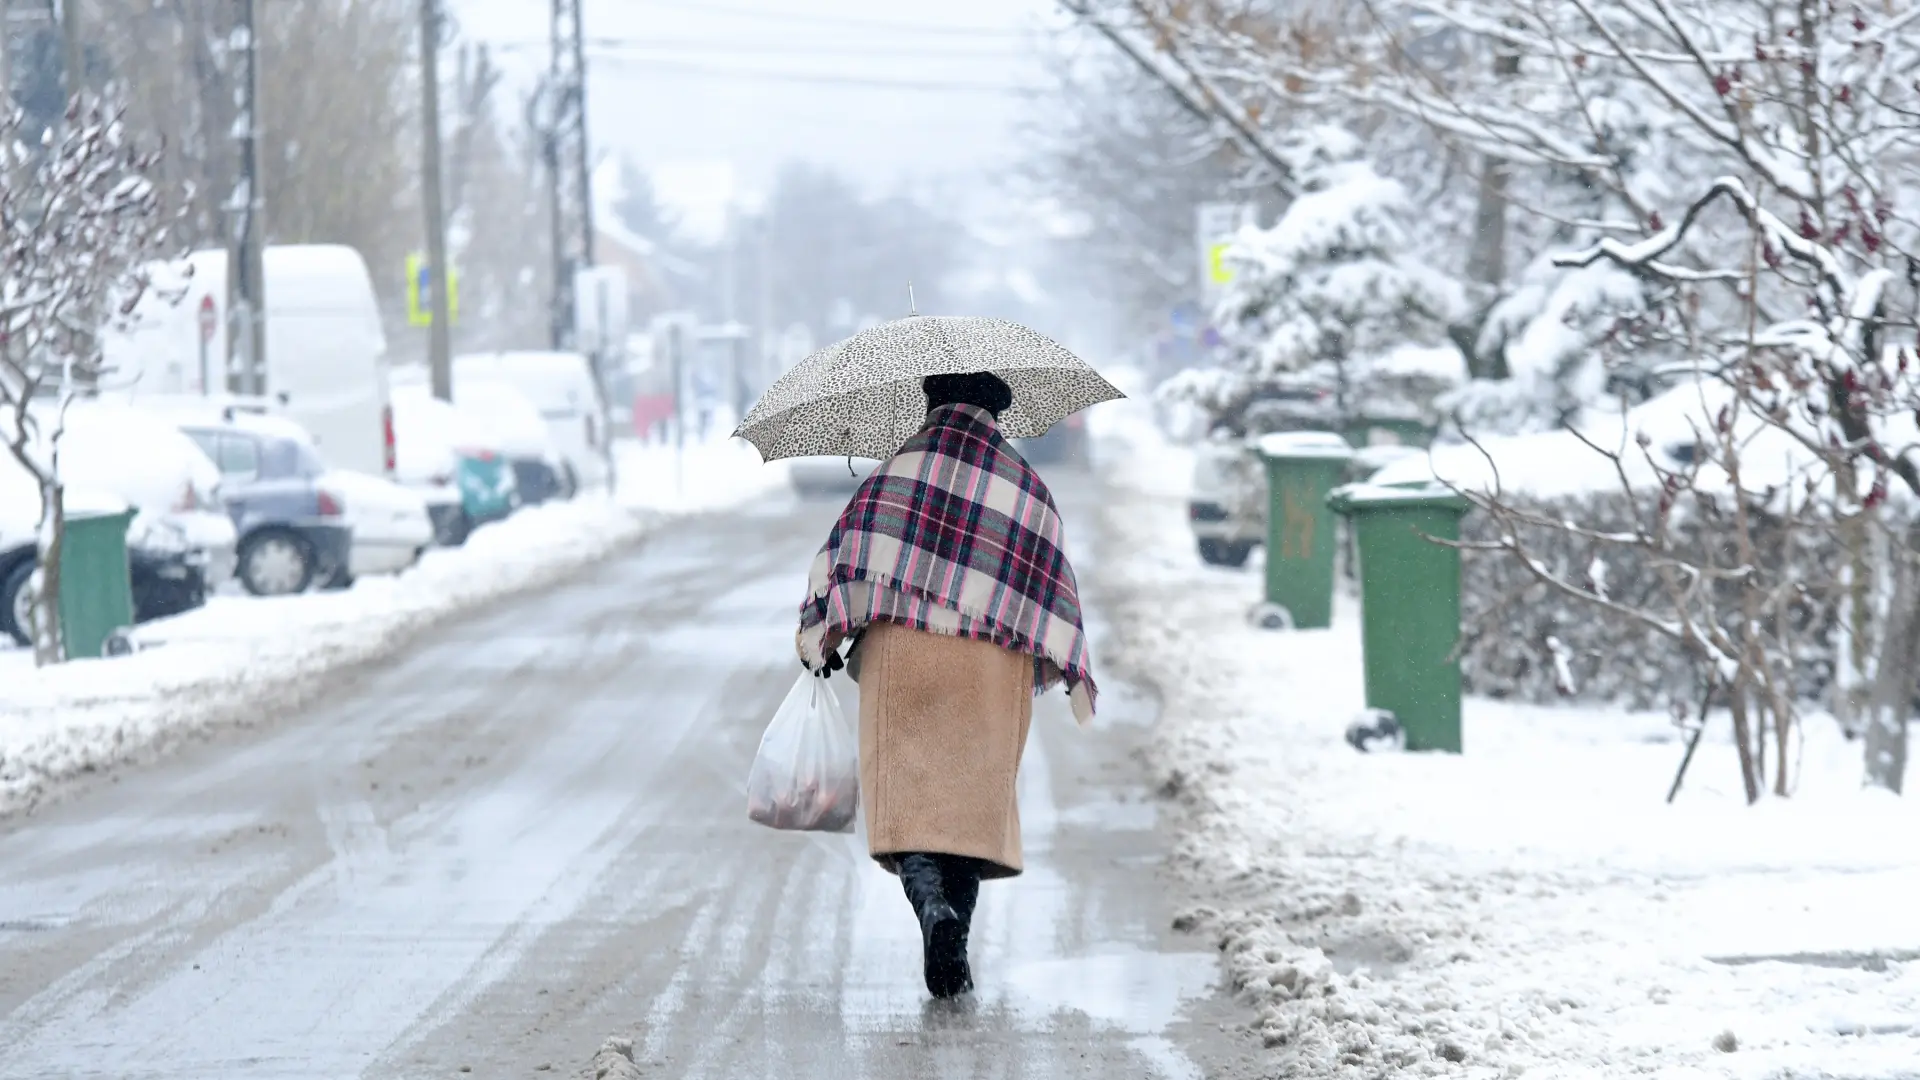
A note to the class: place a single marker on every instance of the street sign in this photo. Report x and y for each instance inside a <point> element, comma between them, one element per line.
<point>1218,272</point>
<point>1215,227</point>
<point>420,292</point>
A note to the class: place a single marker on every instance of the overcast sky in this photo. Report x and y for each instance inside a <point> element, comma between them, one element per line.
<point>711,95</point>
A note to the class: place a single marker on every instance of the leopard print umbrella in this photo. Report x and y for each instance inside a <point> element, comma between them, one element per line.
<point>861,397</point>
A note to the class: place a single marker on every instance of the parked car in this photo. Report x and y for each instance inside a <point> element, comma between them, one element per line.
<point>176,550</point>
<point>292,522</point>
<point>828,477</point>
<point>142,459</point>
<point>442,448</point>
<point>326,351</point>
<point>390,524</point>
<point>510,420</point>
<point>1226,507</point>
<point>164,579</point>
<point>145,460</point>
<point>561,386</point>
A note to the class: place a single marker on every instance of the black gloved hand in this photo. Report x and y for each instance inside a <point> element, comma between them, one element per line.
<point>833,664</point>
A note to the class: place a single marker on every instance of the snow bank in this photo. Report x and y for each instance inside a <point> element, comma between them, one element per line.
<point>1558,464</point>
<point>241,658</point>
<point>1531,906</point>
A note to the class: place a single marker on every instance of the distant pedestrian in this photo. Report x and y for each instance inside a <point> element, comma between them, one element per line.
<point>948,577</point>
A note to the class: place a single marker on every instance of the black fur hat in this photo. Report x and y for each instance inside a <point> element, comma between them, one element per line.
<point>982,389</point>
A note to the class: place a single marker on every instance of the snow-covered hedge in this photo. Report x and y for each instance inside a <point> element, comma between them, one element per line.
<point>1526,641</point>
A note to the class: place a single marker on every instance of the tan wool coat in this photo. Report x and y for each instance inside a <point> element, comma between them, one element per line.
<point>943,722</point>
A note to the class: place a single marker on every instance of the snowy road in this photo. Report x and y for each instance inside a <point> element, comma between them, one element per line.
<point>528,835</point>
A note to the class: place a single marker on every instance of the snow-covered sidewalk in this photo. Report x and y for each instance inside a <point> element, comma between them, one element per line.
<point>1531,907</point>
<point>241,658</point>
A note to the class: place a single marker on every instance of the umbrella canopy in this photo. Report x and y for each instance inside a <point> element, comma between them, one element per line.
<point>862,396</point>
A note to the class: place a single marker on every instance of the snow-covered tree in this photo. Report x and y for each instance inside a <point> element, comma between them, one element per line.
<point>1333,284</point>
<point>80,221</point>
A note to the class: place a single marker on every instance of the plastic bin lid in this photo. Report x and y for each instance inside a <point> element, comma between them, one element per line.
<point>1304,444</point>
<point>1410,495</point>
<point>83,503</point>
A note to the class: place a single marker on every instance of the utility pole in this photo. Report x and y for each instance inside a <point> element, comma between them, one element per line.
<point>76,59</point>
<point>439,271</point>
<point>562,124</point>
<point>246,284</point>
<point>583,160</point>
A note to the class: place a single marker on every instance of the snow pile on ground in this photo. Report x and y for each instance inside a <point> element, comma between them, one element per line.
<point>240,659</point>
<point>614,1061</point>
<point>1532,906</point>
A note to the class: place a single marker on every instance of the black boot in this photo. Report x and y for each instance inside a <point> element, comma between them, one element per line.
<point>960,880</point>
<point>943,936</point>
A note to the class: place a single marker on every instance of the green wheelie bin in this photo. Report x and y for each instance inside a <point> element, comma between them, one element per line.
<point>1302,534</point>
<point>96,587</point>
<point>1409,604</point>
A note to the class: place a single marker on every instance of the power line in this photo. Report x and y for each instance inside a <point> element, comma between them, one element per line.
<point>764,75</point>
<point>705,8</point>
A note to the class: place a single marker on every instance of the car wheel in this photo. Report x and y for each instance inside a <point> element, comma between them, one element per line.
<point>17,598</point>
<point>275,564</point>
<point>569,482</point>
<point>1229,553</point>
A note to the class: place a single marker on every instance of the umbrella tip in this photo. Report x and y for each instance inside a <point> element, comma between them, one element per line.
<point>912,308</point>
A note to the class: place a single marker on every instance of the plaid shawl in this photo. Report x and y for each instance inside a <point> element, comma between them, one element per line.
<point>955,535</point>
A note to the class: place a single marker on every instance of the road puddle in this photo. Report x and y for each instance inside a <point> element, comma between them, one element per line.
<point>1135,990</point>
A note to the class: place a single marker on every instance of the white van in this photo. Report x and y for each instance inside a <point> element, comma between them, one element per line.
<point>561,386</point>
<point>326,351</point>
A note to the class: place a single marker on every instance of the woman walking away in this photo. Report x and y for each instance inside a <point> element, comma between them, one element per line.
<point>946,573</point>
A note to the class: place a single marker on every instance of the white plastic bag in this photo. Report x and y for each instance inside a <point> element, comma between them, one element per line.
<point>806,776</point>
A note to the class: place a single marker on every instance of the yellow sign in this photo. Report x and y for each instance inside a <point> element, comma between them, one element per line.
<point>1217,268</point>
<point>420,292</point>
